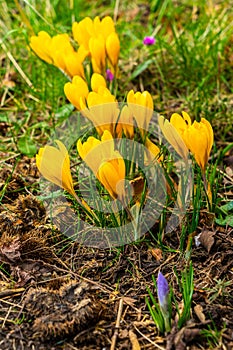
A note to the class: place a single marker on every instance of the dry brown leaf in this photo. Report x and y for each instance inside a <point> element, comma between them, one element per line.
<point>134,341</point>
<point>157,253</point>
<point>198,311</point>
<point>206,238</point>
<point>10,252</point>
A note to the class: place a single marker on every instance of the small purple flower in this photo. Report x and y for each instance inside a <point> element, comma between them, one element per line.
<point>163,291</point>
<point>109,75</point>
<point>149,40</point>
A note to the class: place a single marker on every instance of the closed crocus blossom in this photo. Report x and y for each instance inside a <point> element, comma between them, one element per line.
<point>199,139</point>
<point>76,90</point>
<point>198,136</point>
<point>109,75</point>
<point>180,122</point>
<point>163,296</point>
<point>106,163</point>
<point>54,164</point>
<point>113,48</point>
<point>141,105</point>
<point>106,27</point>
<point>173,136</point>
<point>82,31</point>
<point>98,53</point>
<point>41,45</point>
<point>74,62</point>
<point>101,108</point>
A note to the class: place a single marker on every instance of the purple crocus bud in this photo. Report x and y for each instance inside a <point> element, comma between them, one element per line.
<point>163,295</point>
<point>149,40</point>
<point>163,292</point>
<point>109,75</point>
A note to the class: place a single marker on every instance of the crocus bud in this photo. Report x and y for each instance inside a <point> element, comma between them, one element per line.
<point>163,296</point>
<point>149,40</point>
<point>109,75</point>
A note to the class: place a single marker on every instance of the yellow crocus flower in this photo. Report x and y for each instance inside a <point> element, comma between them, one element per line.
<point>198,136</point>
<point>98,53</point>
<point>41,46</point>
<point>76,90</point>
<point>180,122</point>
<point>82,31</point>
<point>113,48</point>
<point>99,39</point>
<point>173,136</point>
<point>58,51</point>
<point>54,164</point>
<point>106,163</point>
<point>101,108</point>
<point>106,27</point>
<point>141,105</point>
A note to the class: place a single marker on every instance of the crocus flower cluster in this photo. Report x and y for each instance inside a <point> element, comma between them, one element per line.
<point>57,50</point>
<point>97,40</point>
<point>100,39</point>
<point>198,137</point>
<point>106,162</point>
<point>101,107</point>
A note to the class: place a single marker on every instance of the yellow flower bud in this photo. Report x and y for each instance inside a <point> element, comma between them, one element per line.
<point>199,139</point>
<point>141,106</point>
<point>173,137</point>
<point>83,31</point>
<point>197,136</point>
<point>76,90</point>
<point>98,54</point>
<point>41,45</point>
<point>106,163</point>
<point>107,26</point>
<point>54,165</point>
<point>113,48</point>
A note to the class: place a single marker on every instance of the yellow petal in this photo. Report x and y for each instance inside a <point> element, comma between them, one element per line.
<point>179,123</point>
<point>97,80</point>
<point>107,26</point>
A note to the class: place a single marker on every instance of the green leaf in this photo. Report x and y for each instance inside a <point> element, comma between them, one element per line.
<point>227,207</point>
<point>27,146</point>
<point>64,112</point>
<point>140,68</point>
<point>3,118</point>
<point>228,221</point>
